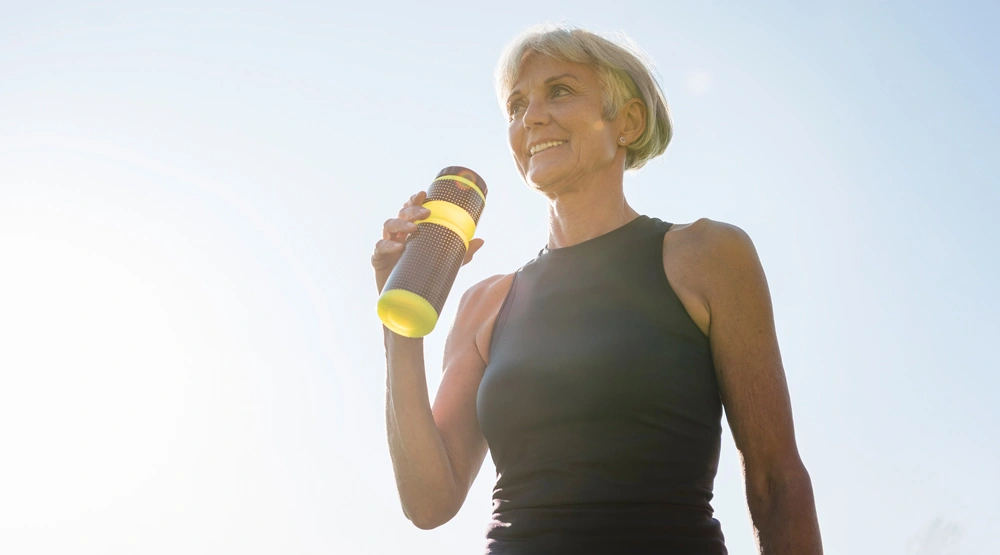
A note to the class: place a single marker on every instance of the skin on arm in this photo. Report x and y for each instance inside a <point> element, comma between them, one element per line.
<point>753,389</point>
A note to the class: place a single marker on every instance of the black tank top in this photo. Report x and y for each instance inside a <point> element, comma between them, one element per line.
<point>600,406</point>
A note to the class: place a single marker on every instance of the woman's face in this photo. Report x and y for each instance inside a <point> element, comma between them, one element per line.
<point>557,134</point>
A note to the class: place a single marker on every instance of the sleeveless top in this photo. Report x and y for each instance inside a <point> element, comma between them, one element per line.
<point>600,406</point>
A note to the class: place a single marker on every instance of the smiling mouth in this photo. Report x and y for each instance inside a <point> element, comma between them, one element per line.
<point>544,146</point>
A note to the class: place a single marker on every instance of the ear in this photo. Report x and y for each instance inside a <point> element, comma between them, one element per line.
<point>633,120</point>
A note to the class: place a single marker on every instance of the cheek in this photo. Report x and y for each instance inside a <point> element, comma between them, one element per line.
<point>515,138</point>
<point>514,134</point>
<point>604,142</point>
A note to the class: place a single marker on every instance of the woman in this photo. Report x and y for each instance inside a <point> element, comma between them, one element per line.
<point>596,374</point>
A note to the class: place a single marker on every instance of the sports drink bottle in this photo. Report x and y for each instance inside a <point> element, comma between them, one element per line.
<point>418,285</point>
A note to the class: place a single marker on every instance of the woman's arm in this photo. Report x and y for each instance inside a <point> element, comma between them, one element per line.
<point>436,454</point>
<point>754,392</point>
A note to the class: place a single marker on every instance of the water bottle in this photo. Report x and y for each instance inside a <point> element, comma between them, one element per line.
<point>418,285</point>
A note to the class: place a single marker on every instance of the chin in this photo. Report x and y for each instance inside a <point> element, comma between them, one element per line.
<point>542,178</point>
<point>539,184</point>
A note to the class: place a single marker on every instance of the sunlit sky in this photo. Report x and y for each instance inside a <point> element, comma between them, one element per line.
<point>190,359</point>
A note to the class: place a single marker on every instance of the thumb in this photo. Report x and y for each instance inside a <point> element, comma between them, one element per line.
<point>474,246</point>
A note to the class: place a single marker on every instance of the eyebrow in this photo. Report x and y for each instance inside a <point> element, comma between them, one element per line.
<point>516,92</point>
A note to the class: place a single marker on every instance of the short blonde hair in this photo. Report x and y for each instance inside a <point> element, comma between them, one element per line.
<point>624,71</point>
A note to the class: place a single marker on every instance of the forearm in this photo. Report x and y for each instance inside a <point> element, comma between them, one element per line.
<point>419,459</point>
<point>784,518</point>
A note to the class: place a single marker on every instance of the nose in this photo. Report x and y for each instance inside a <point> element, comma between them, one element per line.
<point>535,113</point>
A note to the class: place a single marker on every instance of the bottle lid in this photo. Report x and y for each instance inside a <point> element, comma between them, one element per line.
<point>465,173</point>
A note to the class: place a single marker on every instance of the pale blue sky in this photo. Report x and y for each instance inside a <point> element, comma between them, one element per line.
<point>190,359</point>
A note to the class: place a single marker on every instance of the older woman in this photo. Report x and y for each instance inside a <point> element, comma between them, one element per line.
<point>596,374</point>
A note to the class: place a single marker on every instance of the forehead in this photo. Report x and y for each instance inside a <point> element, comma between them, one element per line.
<point>537,68</point>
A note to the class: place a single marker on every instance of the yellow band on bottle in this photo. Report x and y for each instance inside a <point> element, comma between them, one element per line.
<point>451,216</point>
<point>406,313</point>
<point>466,181</point>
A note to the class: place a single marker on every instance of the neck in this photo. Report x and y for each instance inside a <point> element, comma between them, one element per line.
<point>587,211</point>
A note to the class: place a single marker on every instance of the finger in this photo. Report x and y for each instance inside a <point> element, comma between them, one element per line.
<point>399,225</point>
<point>414,213</point>
<point>415,199</point>
<point>420,213</point>
<point>385,247</point>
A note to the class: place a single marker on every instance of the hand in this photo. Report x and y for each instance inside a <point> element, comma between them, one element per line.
<point>390,248</point>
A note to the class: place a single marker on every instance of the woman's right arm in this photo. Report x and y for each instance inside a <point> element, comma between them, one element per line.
<point>435,454</point>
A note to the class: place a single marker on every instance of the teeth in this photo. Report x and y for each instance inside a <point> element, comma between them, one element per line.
<point>538,148</point>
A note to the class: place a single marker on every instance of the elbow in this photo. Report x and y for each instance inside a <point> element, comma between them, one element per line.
<point>432,507</point>
<point>785,516</point>
<point>429,522</point>
<point>426,524</point>
<point>428,519</point>
<point>790,481</point>
<point>799,480</point>
<point>794,488</point>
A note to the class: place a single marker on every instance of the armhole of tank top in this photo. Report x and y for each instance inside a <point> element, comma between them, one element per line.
<point>498,324</point>
<point>692,326</point>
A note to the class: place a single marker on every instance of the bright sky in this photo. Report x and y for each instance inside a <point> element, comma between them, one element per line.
<point>190,359</point>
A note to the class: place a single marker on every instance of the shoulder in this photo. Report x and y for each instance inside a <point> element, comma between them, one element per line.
<point>709,244</point>
<point>709,236</point>
<point>478,309</point>
<point>486,291</point>
<point>704,260</point>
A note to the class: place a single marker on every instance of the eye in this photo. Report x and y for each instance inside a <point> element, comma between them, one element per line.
<point>513,109</point>
<point>556,90</point>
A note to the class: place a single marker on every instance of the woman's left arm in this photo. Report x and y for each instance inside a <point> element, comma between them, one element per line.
<point>754,392</point>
